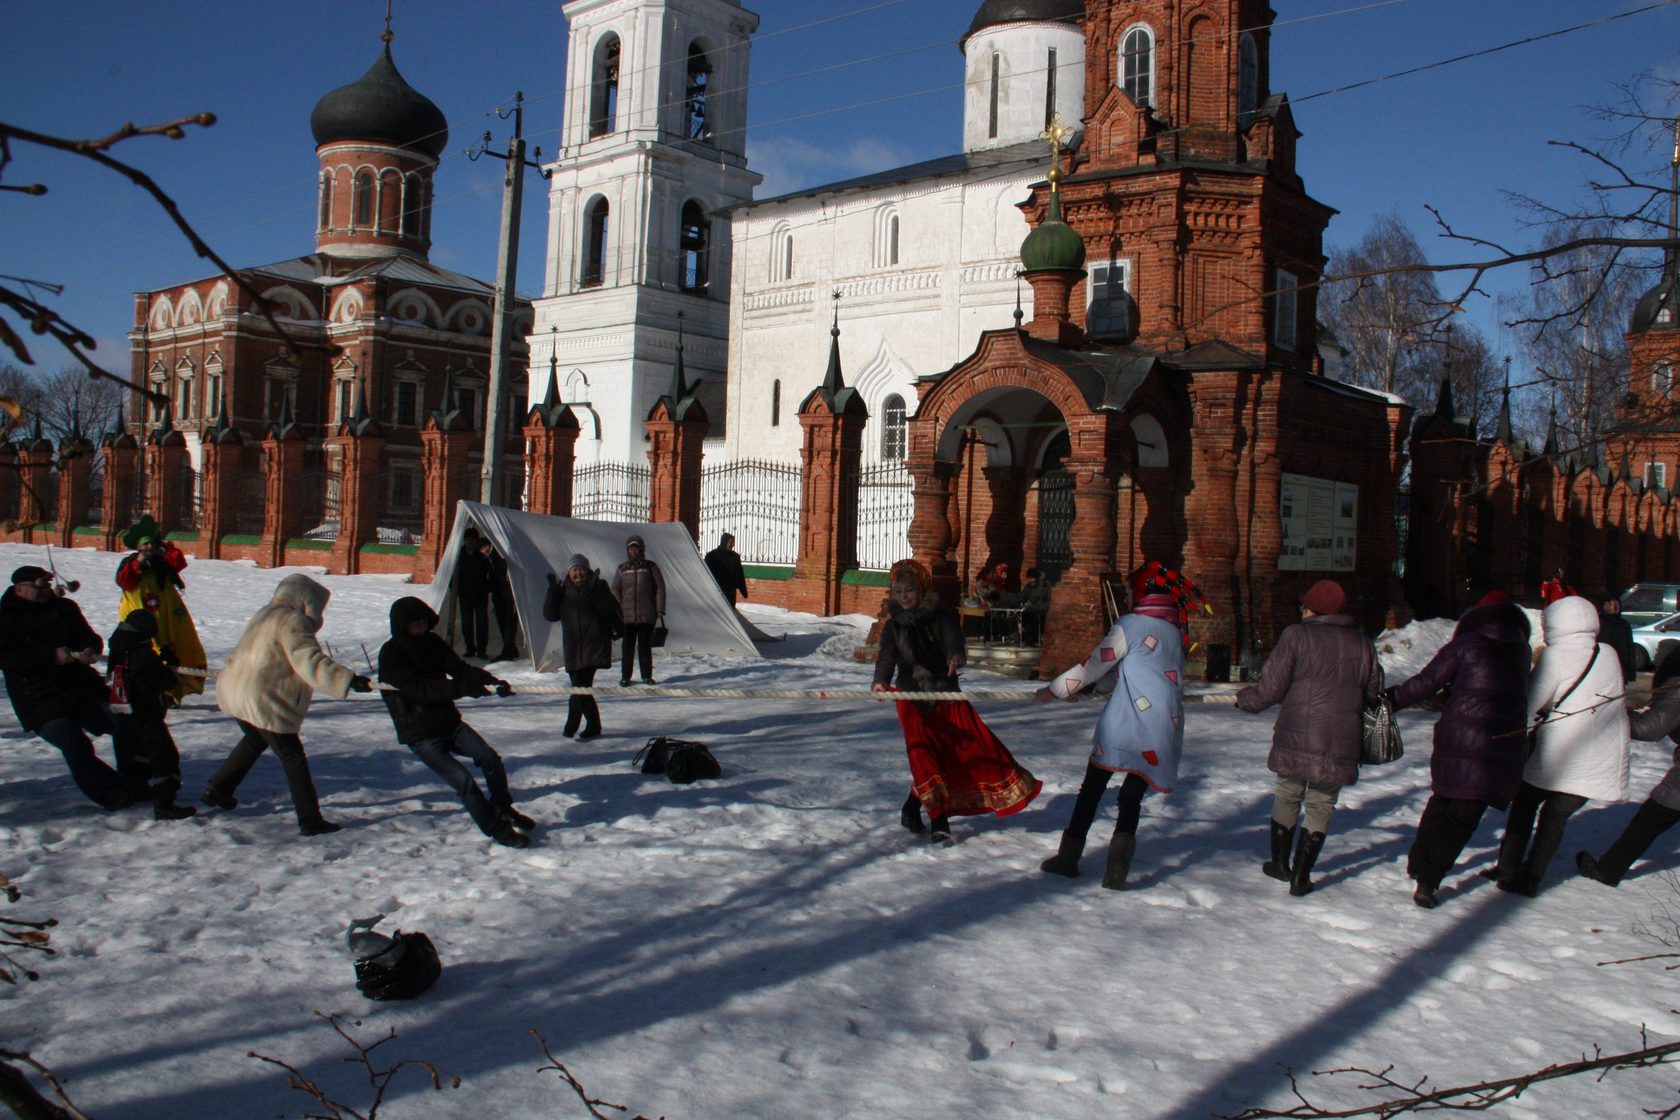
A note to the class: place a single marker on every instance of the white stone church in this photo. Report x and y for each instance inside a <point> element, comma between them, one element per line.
<point>651,218</point>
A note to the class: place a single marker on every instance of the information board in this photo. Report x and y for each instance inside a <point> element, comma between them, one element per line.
<point>1320,524</point>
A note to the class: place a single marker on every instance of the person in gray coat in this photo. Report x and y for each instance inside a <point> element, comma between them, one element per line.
<point>1323,672</point>
<point>1661,809</point>
<point>639,587</point>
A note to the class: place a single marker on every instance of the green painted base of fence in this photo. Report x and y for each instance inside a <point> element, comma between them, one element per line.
<point>242,538</point>
<point>46,526</point>
<point>304,544</point>
<point>866,577</point>
<point>768,571</point>
<point>188,537</point>
<point>391,549</point>
<point>88,531</point>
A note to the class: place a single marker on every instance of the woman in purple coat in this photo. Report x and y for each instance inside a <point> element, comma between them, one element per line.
<point>1481,738</point>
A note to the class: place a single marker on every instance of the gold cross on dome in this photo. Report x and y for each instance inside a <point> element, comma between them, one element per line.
<point>1054,135</point>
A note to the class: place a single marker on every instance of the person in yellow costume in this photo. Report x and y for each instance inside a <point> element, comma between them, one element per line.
<point>150,578</point>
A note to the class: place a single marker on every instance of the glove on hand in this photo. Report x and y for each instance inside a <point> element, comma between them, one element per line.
<point>504,689</point>
<point>360,683</point>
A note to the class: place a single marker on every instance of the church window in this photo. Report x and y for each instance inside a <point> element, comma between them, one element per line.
<point>326,200</point>
<point>699,87</point>
<point>603,88</point>
<point>886,238</point>
<point>344,399</point>
<point>184,399</point>
<point>595,244</point>
<point>1248,77</point>
<point>213,388</point>
<point>405,495</point>
<point>1050,89</point>
<point>1110,292</point>
<point>1662,379</point>
<point>1137,65</point>
<point>692,263</point>
<point>893,429</point>
<point>1285,309</point>
<point>413,199</point>
<point>279,385</point>
<point>997,92</point>
<point>469,395</point>
<point>364,198</point>
<point>1656,475</point>
<point>159,398</point>
<point>406,408</point>
<point>781,258</point>
<point>776,403</point>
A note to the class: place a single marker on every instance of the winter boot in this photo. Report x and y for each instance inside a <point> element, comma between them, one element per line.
<point>1306,854</point>
<point>1278,866</point>
<point>1120,851</point>
<point>1425,895</point>
<point>509,838</point>
<point>1521,883</point>
<point>517,819</point>
<point>1650,822</point>
<point>216,799</point>
<point>911,815</point>
<point>1066,859</point>
<point>164,807</point>
<point>318,826</point>
<point>939,832</point>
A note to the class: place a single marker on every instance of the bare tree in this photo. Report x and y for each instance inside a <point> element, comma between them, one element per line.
<point>1387,319</point>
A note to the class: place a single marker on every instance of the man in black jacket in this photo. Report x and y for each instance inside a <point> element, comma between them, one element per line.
<point>725,567</point>
<point>426,677</point>
<point>46,651</point>
<point>1615,632</point>
<point>472,592</point>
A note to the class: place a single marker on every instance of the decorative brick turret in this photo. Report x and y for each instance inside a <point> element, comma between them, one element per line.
<point>359,441</point>
<point>447,439</point>
<point>9,488</point>
<point>676,430</point>
<point>283,497</point>
<point>75,469</point>
<point>551,433</point>
<point>224,454</point>
<point>833,418</point>
<point>120,452</point>
<point>35,463</point>
<point>167,485</point>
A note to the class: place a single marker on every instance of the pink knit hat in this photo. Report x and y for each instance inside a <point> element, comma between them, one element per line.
<point>1325,597</point>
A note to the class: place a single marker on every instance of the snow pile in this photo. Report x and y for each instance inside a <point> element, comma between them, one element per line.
<point>773,944</point>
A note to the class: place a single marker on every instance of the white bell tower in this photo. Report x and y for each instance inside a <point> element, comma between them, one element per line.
<point>654,154</point>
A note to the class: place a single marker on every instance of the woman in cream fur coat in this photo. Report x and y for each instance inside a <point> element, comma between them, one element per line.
<point>1581,749</point>
<point>266,686</point>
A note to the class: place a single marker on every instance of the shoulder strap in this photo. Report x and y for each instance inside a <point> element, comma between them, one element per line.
<point>1571,690</point>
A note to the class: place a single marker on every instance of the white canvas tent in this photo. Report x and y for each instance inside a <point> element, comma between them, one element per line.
<point>696,612</point>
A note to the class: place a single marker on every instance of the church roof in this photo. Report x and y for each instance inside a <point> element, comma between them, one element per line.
<point>381,106</point>
<point>995,12</point>
<point>1024,155</point>
<point>1664,297</point>
<point>318,268</point>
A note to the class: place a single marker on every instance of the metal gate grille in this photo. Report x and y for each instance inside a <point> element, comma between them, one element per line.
<point>758,501</point>
<point>1055,519</point>
<point>612,492</point>
<point>886,502</point>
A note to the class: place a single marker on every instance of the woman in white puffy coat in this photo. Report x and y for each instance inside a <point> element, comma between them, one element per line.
<point>1581,751</point>
<point>266,686</point>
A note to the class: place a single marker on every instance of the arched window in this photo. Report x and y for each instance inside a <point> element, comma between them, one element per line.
<point>699,87</point>
<point>595,244</point>
<point>1286,310</point>
<point>692,253</point>
<point>364,198</point>
<point>886,238</point>
<point>894,430</point>
<point>781,254</point>
<point>326,200</point>
<point>1248,77</point>
<point>603,88</point>
<point>413,201</point>
<point>776,402</point>
<point>997,93</point>
<point>1109,288</point>
<point>1050,90</point>
<point>1662,379</point>
<point>1137,65</point>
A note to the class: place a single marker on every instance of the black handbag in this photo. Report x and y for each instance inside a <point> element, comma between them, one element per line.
<point>680,760</point>
<point>407,967</point>
<point>660,633</point>
<point>1381,742</point>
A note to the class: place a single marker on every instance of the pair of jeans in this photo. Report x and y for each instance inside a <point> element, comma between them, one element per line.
<point>101,784</point>
<point>475,623</point>
<point>582,709</point>
<point>1090,796</point>
<point>1517,858</point>
<point>637,645</point>
<point>1312,802</point>
<point>288,748</point>
<point>439,754</point>
<point>1445,828</point>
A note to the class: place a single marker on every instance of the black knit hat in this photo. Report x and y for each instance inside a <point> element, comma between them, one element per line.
<point>29,573</point>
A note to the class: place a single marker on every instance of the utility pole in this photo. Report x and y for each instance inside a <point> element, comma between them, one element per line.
<point>507,271</point>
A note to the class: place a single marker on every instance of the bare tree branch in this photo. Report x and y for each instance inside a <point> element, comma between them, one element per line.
<point>379,1080</point>
<point>592,1104</point>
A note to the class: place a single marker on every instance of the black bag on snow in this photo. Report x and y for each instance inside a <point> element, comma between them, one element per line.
<point>680,760</point>
<point>396,967</point>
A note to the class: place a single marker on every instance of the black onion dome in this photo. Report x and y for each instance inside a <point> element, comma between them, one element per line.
<point>381,106</point>
<point>1649,311</point>
<point>994,12</point>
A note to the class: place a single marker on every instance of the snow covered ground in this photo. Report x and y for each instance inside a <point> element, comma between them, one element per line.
<point>773,944</point>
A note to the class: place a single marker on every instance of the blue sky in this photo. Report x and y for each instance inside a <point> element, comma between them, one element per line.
<point>1459,137</point>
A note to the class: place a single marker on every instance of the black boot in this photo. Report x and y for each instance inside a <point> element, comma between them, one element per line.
<point>318,826</point>
<point>1120,851</point>
<point>1278,866</point>
<point>911,815</point>
<point>1066,859</point>
<point>216,799</point>
<point>1650,822</point>
<point>1306,854</point>
<point>939,830</point>
<point>517,819</point>
<point>164,807</point>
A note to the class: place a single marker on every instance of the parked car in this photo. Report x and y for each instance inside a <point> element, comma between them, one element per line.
<point>1646,603</point>
<point>1652,641</point>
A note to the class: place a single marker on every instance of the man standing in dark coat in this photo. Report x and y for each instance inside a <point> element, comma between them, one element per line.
<point>46,651</point>
<point>426,678</point>
<point>1617,633</point>
<point>501,599</point>
<point>1322,671</point>
<point>1480,740</point>
<point>639,587</point>
<point>589,621</point>
<point>472,592</point>
<point>725,567</point>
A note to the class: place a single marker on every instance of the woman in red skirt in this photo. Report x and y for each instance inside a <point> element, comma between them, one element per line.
<point>957,766</point>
